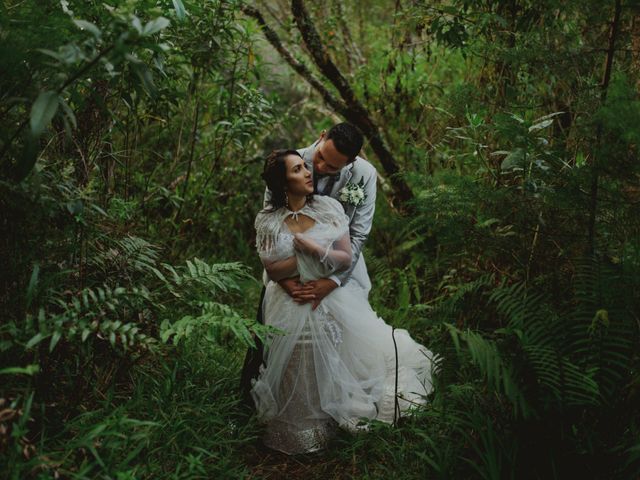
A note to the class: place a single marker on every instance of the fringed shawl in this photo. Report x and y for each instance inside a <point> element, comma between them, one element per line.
<point>273,239</point>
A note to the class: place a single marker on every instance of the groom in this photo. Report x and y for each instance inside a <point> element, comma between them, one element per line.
<point>336,167</point>
<point>339,172</point>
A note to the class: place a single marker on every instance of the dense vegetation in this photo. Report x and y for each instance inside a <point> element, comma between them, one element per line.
<point>506,238</point>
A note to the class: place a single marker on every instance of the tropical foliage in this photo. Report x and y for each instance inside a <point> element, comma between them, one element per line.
<point>506,237</point>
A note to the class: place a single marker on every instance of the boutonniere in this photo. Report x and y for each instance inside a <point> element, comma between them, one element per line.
<point>353,193</point>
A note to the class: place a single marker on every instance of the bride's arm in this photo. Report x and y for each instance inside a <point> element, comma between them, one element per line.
<point>337,256</point>
<point>281,269</point>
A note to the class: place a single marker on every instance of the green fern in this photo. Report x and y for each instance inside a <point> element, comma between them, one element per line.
<point>201,276</point>
<point>605,323</point>
<point>214,320</point>
<point>89,315</point>
<point>124,257</point>
<point>194,288</point>
<point>122,315</point>
<point>498,371</point>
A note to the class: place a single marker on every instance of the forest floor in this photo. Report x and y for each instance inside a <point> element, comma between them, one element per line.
<point>266,463</point>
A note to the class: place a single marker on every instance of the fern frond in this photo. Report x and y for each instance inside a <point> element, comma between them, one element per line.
<point>213,321</point>
<point>124,256</point>
<point>499,373</point>
<point>87,315</point>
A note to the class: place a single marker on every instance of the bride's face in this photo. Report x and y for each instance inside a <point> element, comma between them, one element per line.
<point>299,181</point>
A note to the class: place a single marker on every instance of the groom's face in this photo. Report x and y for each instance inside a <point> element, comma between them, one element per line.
<point>327,160</point>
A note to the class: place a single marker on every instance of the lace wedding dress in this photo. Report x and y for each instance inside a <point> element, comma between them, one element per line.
<point>333,365</point>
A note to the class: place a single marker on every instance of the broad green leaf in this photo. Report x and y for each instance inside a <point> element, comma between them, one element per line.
<point>99,210</point>
<point>154,26</point>
<point>88,26</point>
<point>545,117</point>
<point>55,338</point>
<point>75,207</point>
<point>487,223</point>
<point>541,125</point>
<point>28,370</point>
<point>42,111</point>
<point>37,338</point>
<point>137,24</point>
<point>513,160</point>
<point>180,11</point>
<point>85,334</point>
<point>68,112</point>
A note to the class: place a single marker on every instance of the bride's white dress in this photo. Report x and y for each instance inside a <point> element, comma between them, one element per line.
<point>335,364</point>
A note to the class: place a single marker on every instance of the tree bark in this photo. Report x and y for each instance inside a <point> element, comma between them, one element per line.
<point>355,113</point>
<point>635,46</point>
<point>606,78</point>
<point>300,68</point>
<point>354,56</point>
<point>348,106</point>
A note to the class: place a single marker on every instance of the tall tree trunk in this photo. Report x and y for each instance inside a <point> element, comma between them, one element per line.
<point>635,46</point>
<point>347,106</point>
<point>353,55</point>
<point>606,78</point>
<point>355,112</point>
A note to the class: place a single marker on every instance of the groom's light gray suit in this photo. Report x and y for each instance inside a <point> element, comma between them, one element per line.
<point>360,217</point>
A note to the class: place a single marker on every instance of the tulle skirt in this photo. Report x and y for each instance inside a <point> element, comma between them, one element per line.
<point>333,366</point>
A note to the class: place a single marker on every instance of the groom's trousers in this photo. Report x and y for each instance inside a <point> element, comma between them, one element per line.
<point>252,360</point>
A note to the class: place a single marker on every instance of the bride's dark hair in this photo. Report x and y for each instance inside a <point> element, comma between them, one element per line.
<point>275,176</point>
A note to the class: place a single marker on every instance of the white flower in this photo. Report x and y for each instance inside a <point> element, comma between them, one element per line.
<point>353,193</point>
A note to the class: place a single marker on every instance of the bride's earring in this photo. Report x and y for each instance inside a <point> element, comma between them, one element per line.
<point>286,200</point>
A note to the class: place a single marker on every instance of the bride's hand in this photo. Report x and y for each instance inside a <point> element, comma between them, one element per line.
<point>306,245</point>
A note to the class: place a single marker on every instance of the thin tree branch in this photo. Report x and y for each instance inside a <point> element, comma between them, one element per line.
<point>593,207</point>
<point>355,112</point>
<point>273,13</point>
<point>299,67</point>
<point>59,90</point>
<point>354,56</point>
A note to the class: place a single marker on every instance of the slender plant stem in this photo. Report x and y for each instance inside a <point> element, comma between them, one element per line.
<point>59,90</point>
<point>595,178</point>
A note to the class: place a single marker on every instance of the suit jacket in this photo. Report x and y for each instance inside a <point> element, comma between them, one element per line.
<point>360,217</point>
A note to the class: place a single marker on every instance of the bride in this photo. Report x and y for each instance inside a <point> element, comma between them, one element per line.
<point>339,363</point>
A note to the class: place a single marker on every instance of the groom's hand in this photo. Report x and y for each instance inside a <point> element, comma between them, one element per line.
<point>301,293</point>
<point>320,289</point>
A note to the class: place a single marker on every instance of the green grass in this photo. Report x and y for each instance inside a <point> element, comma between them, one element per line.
<point>178,419</point>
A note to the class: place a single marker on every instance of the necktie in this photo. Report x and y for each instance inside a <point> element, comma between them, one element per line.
<point>327,183</point>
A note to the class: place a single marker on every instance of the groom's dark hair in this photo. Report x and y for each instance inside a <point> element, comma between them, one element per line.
<point>347,139</point>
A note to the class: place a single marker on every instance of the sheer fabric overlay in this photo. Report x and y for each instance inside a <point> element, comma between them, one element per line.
<point>334,365</point>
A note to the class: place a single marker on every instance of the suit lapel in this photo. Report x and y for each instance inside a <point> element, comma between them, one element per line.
<point>345,176</point>
<point>307,156</point>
